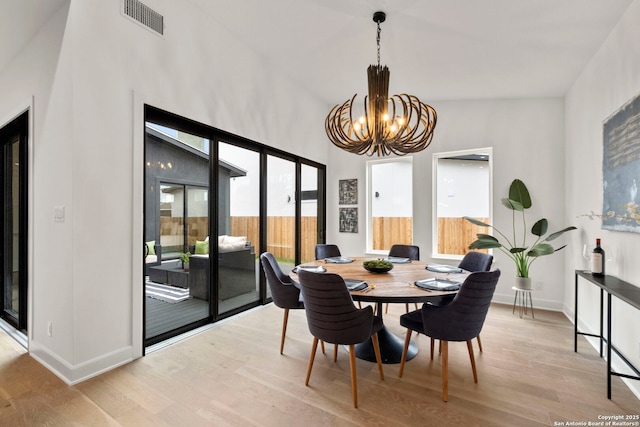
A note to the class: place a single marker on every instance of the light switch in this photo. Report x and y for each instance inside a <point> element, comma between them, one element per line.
<point>58,213</point>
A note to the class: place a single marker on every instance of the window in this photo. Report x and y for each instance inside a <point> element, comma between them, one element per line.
<point>225,199</point>
<point>389,203</point>
<point>310,211</point>
<point>462,186</point>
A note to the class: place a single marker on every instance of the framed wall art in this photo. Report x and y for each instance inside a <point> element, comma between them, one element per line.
<point>621,169</point>
<point>348,191</point>
<point>348,218</point>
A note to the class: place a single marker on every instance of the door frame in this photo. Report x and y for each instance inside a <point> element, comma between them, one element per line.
<point>20,124</point>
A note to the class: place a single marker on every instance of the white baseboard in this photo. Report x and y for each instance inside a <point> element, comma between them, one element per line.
<point>74,374</point>
<point>541,304</point>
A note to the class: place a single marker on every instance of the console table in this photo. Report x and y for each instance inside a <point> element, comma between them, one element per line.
<point>622,290</point>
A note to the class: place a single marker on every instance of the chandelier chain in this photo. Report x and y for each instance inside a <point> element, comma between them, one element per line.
<point>378,42</point>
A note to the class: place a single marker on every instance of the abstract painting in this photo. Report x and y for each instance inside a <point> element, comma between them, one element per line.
<point>621,169</point>
<point>348,220</point>
<point>348,191</point>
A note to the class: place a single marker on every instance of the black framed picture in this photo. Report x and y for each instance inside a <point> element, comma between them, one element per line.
<point>348,191</point>
<point>348,218</point>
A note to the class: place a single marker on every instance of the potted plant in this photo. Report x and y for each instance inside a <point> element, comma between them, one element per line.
<point>516,247</point>
<point>184,257</point>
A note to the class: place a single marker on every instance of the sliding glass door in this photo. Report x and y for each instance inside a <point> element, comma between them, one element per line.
<point>13,234</point>
<point>213,202</point>
<point>177,271</point>
<point>238,227</point>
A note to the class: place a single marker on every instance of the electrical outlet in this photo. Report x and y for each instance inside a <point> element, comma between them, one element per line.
<point>50,328</point>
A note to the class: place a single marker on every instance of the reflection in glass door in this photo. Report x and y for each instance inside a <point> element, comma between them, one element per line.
<point>238,227</point>
<point>171,220</point>
<point>281,211</point>
<point>13,252</point>
<point>177,289</point>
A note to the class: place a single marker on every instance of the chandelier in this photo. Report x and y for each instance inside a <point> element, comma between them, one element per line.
<point>400,124</point>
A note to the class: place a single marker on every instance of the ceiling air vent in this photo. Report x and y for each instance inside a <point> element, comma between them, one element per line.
<point>143,14</point>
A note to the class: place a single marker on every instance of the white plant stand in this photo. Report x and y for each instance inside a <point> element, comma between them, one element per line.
<point>522,300</point>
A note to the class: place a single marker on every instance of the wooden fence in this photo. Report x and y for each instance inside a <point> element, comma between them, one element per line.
<point>280,234</point>
<point>456,234</point>
<point>388,231</point>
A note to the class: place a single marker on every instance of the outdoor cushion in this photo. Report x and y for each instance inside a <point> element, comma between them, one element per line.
<point>202,247</point>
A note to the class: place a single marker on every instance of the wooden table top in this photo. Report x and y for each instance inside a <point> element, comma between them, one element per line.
<point>395,286</point>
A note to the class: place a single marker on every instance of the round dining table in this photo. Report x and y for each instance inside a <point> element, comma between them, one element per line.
<point>394,286</point>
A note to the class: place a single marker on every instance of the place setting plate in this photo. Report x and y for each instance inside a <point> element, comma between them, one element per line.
<point>312,268</point>
<point>338,260</point>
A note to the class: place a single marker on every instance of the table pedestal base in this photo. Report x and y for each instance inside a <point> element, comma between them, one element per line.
<point>390,348</point>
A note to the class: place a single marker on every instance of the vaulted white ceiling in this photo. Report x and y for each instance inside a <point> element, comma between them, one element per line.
<point>435,49</point>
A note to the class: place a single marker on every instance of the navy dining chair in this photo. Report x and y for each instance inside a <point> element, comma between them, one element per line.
<point>459,321</point>
<point>332,317</point>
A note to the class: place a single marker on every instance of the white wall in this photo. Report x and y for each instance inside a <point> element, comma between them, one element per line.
<point>527,138</point>
<point>89,72</point>
<point>610,80</point>
<point>40,78</point>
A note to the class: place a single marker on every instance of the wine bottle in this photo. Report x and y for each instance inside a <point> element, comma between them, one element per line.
<point>597,260</point>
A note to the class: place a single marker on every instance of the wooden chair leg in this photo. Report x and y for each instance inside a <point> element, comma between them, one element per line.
<point>335,352</point>
<point>376,349</point>
<point>386,308</point>
<point>284,329</point>
<point>479,343</point>
<point>432,345</point>
<point>322,346</point>
<point>445,369</point>
<point>473,360</point>
<point>312,357</point>
<point>405,350</point>
<point>352,365</point>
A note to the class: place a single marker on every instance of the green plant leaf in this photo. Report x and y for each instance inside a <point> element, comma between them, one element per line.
<point>517,250</point>
<point>559,233</point>
<point>482,236</point>
<point>512,204</point>
<point>540,250</point>
<point>540,227</point>
<point>519,192</point>
<point>485,241</point>
<point>476,222</point>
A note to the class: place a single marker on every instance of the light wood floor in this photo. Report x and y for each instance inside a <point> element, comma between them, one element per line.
<point>233,375</point>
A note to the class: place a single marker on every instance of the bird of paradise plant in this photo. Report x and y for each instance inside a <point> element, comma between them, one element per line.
<point>516,247</point>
